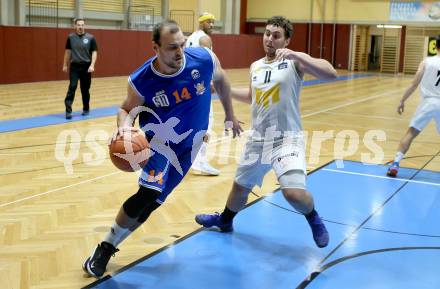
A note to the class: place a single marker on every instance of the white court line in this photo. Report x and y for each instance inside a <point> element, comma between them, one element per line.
<point>381,177</point>
<point>370,116</point>
<point>220,140</point>
<point>58,189</point>
<point>239,157</point>
<point>352,102</point>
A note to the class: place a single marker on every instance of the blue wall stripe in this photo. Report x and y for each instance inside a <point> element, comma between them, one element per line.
<point>53,119</point>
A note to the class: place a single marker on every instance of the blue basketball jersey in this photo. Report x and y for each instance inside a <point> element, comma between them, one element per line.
<point>185,95</point>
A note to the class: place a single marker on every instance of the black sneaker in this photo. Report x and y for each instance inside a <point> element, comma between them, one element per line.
<point>85,112</point>
<point>95,264</point>
<point>68,115</point>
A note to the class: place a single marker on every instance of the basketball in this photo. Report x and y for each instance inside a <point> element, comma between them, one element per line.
<point>129,152</point>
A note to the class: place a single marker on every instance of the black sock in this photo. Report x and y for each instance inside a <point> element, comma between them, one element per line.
<point>227,216</point>
<point>311,214</point>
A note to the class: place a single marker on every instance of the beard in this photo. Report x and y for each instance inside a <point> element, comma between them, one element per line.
<point>270,53</point>
<point>176,64</point>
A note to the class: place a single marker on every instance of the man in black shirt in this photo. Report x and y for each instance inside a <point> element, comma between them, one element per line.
<point>81,53</point>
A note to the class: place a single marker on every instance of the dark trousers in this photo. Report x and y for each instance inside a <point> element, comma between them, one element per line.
<point>79,72</point>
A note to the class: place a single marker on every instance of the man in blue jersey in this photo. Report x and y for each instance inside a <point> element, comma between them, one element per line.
<point>170,93</point>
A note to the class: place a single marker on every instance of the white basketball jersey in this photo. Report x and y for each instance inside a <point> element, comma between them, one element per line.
<point>194,38</point>
<point>275,97</point>
<point>430,84</point>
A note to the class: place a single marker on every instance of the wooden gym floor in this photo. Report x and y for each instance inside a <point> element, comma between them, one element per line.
<point>52,215</point>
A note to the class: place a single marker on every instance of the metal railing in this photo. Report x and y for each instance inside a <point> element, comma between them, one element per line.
<point>42,13</point>
<point>185,18</point>
<point>141,17</point>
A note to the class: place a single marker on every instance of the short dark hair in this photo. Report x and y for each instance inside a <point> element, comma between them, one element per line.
<point>158,27</point>
<point>282,22</point>
<point>78,19</point>
<point>437,42</point>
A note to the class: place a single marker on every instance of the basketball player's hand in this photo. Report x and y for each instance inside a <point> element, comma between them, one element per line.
<point>235,125</point>
<point>284,53</point>
<point>121,130</point>
<point>401,108</point>
<point>91,69</point>
<point>64,68</point>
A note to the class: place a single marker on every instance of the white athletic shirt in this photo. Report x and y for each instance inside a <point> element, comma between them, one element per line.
<point>194,39</point>
<point>430,84</point>
<point>275,97</point>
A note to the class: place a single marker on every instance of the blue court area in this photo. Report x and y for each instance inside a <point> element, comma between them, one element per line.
<point>54,119</point>
<point>384,233</point>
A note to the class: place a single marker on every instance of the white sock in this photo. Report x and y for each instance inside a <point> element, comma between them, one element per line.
<point>399,157</point>
<point>202,152</point>
<point>201,155</point>
<point>116,235</point>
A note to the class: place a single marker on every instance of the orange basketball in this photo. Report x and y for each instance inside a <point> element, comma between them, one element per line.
<point>130,152</point>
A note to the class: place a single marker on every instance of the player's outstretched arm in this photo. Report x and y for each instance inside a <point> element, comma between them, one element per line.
<point>242,94</point>
<point>223,88</point>
<point>414,84</point>
<point>319,68</point>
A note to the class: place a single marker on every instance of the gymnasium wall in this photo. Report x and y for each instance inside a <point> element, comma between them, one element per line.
<point>336,52</point>
<point>296,10</point>
<point>338,11</point>
<point>362,11</point>
<point>191,5</point>
<point>30,54</point>
<point>183,5</point>
<point>36,54</point>
<point>211,6</point>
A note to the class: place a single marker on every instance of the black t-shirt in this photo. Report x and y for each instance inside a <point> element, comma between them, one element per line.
<point>81,47</point>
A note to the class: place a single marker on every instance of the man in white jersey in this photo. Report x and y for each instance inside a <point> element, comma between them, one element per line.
<point>428,75</point>
<point>201,37</point>
<point>277,141</point>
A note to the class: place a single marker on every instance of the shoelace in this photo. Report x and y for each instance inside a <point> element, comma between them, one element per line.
<point>103,256</point>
